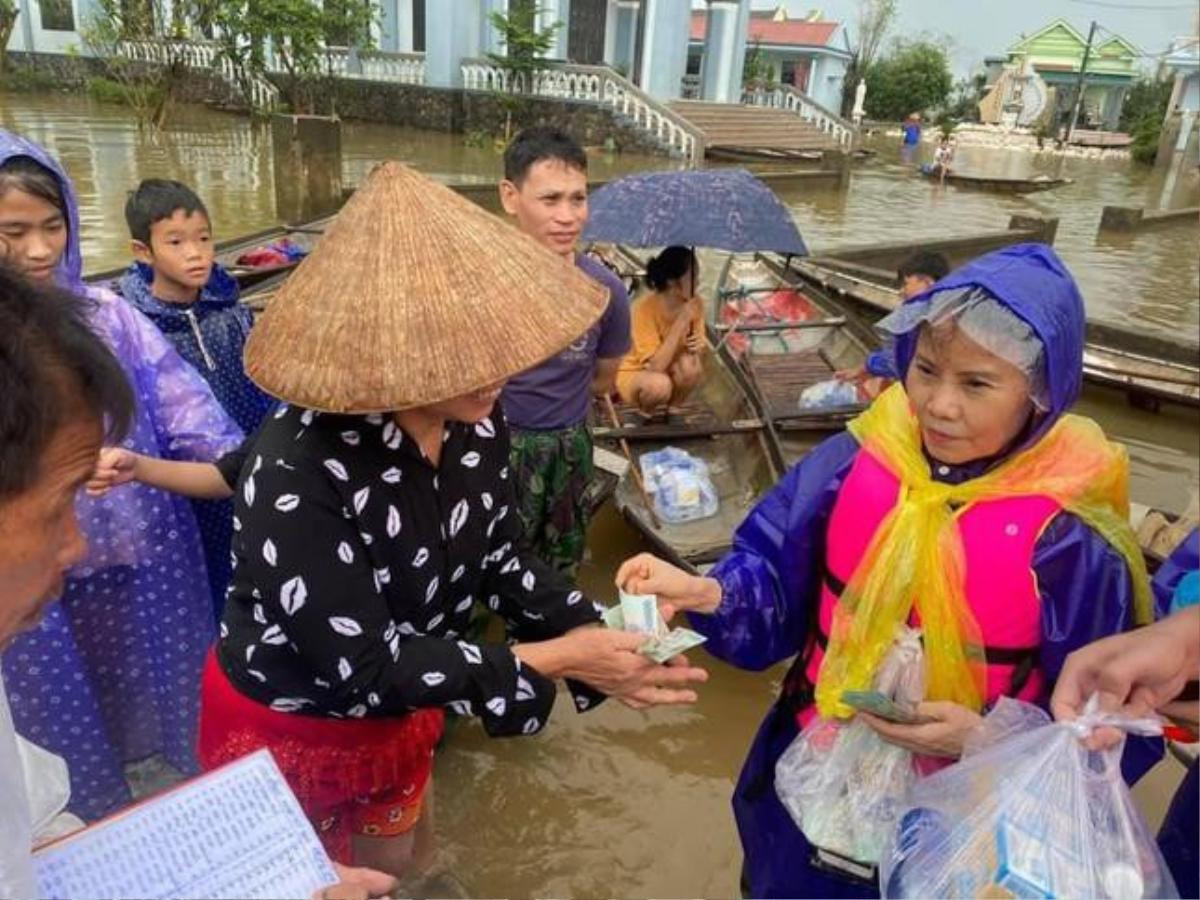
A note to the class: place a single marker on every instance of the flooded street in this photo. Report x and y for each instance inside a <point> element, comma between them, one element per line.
<point>616,802</point>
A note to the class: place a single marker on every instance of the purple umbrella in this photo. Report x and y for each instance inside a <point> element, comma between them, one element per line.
<point>727,209</point>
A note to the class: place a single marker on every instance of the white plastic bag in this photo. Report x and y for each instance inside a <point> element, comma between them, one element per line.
<point>680,484</point>
<point>1027,812</point>
<point>830,394</point>
<point>842,784</point>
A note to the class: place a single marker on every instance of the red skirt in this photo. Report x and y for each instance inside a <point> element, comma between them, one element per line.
<point>332,765</point>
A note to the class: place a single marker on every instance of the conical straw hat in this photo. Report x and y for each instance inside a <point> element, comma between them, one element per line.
<point>412,296</point>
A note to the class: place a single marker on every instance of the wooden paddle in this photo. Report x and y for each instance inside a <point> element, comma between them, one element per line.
<point>633,466</point>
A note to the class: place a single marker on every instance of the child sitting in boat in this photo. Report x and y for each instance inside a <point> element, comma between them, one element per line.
<point>920,271</point>
<point>965,500</point>
<point>176,282</point>
<point>665,363</point>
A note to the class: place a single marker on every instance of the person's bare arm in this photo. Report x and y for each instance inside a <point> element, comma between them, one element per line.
<point>117,466</point>
<point>605,377</point>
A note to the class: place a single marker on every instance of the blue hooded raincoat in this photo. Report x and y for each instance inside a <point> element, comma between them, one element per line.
<point>211,335</point>
<point>112,673</point>
<point>771,577</point>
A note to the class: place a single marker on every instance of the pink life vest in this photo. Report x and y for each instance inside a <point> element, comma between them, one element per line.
<point>998,542</point>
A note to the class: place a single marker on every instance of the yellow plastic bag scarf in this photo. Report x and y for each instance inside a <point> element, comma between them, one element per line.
<point>916,555</point>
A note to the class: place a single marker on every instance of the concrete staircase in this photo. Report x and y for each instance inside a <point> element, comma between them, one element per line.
<point>733,126</point>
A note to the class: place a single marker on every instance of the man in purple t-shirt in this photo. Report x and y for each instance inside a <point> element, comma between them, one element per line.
<point>545,190</point>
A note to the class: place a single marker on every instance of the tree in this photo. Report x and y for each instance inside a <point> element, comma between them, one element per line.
<point>296,33</point>
<point>148,84</point>
<point>963,104</point>
<point>525,48</point>
<point>8,19</point>
<point>525,45</point>
<point>914,77</point>
<point>756,71</point>
<point>873,21</point>
<point>1142,116</point>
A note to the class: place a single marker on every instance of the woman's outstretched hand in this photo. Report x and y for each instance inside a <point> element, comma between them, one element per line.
<point>675,588</point>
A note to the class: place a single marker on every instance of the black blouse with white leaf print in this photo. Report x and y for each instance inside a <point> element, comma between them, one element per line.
<point>357,563</point>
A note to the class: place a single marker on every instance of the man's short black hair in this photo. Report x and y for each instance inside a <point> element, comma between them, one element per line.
<point>156,199</point>
<point>924,262</point>
<point>532,145</point>
<point>54,370</point>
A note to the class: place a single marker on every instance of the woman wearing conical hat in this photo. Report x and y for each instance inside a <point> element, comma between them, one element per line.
<point>376,510</point>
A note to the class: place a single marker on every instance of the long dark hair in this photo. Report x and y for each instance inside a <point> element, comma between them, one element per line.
<point>672,263</point>
<point>27,174</point>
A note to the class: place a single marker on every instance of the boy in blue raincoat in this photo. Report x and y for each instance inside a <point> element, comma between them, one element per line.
<point>1013,511</point>
<point>177,284</point>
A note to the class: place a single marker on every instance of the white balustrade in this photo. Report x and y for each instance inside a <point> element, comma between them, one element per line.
<point>594,84</point>
<point>786,97</point>
<point>202,55</point>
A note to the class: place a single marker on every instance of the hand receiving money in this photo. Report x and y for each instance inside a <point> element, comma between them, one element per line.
<point>639,613</point>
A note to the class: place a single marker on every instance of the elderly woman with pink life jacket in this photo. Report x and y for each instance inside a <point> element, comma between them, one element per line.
<point>965,503</point>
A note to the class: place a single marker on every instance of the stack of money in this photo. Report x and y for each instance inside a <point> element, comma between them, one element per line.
<point>639,613</point>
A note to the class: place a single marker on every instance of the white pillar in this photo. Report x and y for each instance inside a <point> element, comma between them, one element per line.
<point>404,26</point>
<point>549,12</point>
<point>611,16</point>
<point>667,29</point>
<point>720,82</point>
<point>625,36</point>
<point>451,33</point>
<point>489,36</point>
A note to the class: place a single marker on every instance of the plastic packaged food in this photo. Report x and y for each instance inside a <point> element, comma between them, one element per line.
<point>843,785</point>
<point>680,485</point>
<point>1027,812</point>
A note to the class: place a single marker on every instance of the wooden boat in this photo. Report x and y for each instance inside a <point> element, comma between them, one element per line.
<point>721,424</point>
<point>787,339</point>
<point>999,184</point>
<point>1151,370</point>
<point>304,235</point>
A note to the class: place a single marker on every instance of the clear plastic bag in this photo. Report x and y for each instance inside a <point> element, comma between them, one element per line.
<point>1027,812</point>
<point>680,484</point>
<point>843,785</point>
<point>830,394</point>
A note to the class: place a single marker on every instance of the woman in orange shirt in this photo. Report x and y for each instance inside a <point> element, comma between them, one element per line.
<point>668,335</point>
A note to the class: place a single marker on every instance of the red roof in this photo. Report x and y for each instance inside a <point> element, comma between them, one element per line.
<point>794,32</point>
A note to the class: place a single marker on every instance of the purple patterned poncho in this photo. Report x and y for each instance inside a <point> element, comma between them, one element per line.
<point>112,674</point>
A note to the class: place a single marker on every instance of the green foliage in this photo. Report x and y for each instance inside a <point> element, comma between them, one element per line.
<point>1147,98</point>
<point>8,20</point>
<point>756,70</point>
<point>871,26</point>
<point>148,88</point>
<point>27,80</point>
<point>1142,117</point>
<point>963,104</point>
<point>297,32</point>
<point>525,46</point>
<point>914,77</point>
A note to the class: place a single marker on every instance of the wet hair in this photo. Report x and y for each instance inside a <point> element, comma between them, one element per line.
<point>54,371</point>
<point>672,263</point>
<point>27,174</point>
<point>924,262</point>
<point>541,142</point>
<point>156,199</point>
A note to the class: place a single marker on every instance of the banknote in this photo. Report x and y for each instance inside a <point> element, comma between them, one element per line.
<point>676,641</point>
<point>614,618</point>
<point>640,613</point>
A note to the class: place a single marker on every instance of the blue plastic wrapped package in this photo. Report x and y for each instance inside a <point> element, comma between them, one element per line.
<point>680,485</point>
<point>1028,812</point>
